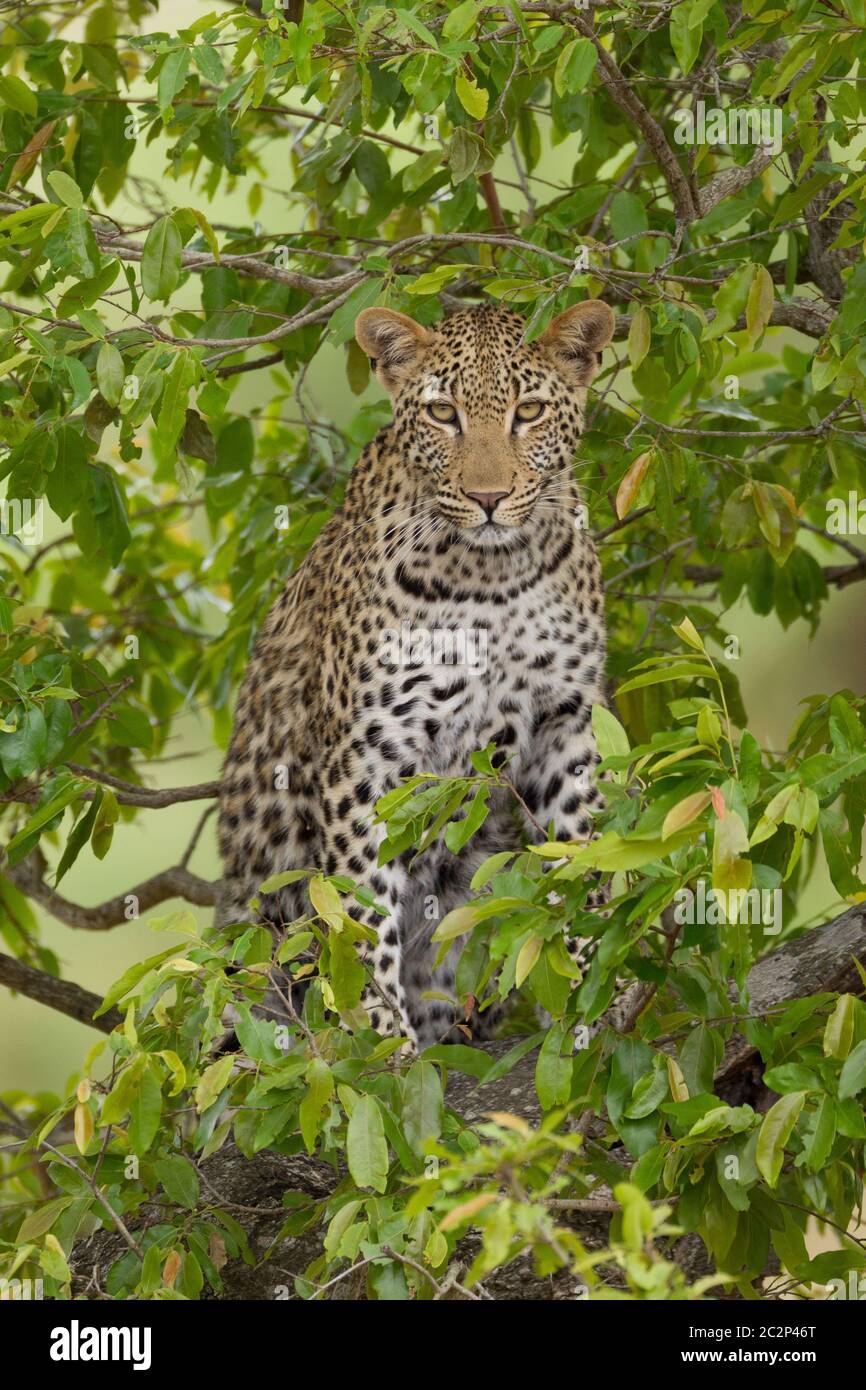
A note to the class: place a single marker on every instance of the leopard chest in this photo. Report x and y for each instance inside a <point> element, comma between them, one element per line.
<point>449,675</point>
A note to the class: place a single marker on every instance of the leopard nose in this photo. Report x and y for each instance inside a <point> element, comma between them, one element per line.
<point>488,500</point>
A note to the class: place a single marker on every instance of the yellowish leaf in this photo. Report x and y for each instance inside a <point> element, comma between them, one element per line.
<point>526,958</point>
<point>639,335</point>
<point>82,1127</point>
<point>759,305</point>
<point>689,634</point>
<point>506,1120</point>
<point>676,1080</point>
<point>465,1210</point>
<point>628,488</point>
<point>685,812</point>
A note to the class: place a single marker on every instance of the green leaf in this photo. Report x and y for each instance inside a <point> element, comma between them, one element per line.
<point>650,1090</point>
<point>685,36</point>
<point>144,1111</point>
<point>22,751</point>
<point>553,1069</point>
<point>67,792</point>
<point>179,1178</point>
<point>320,1082</point>
<point>681,670</point>
<point>610,737</point>
<point>42,1219</point>
<point>366,1149</point>
<point>698,1060</point>
<point>434,280</point>
<point>423,1105</point>
<point>17,95</point>
<point>172,76</point>
<point>213,1079</point>
<point>110,373</point>
<point>72,245</point>
<point>639,337</point>
<point>469,1060</point>
<point>574,67</point>
<point>416,175</point>
<point>107,814</point>
<point>839,1029</point>
<point>853,1077</point>
<point>729,300</point>
<point>759,305</point>
<point>66,484</point>
<point>66,188</point>
<point>464,153</point>
<point>775,1131</point>
<point>460,20</point>
<point>347,974</point>
<point>160,260</point>
<point>130,978</point>
<point>459,832</point>
<point>473,99</point>
<point>820,1139</point>
<point>342,322</point>
<point>172,411</point>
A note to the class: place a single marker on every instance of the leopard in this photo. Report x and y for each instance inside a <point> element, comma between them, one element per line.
<point>452,602</point>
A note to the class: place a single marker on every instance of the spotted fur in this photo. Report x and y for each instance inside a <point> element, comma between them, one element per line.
<point>461,517</point>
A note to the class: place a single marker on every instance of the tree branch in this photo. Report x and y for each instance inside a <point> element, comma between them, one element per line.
<point>61,995</point>
<point>840,576</point>
<point>730,181</point>
<point>176,882</point>
<point>627,101</point>
<point>127,793</point>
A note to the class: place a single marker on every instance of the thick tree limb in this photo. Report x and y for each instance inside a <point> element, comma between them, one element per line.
<point>729,181</point>
<point>62,995</point>
<point>818,961</point>
<point>824,224</point>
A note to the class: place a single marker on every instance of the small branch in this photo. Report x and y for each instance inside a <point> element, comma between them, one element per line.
<point>840,576</point>
<point>97,1192</point>
<point>101,708</point>
<point>598,1204</point>
<point>490,194</point>
<point>128,794</point>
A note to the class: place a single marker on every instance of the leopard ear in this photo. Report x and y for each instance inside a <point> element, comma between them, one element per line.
<point>393,342</point>
<point>577,336</point>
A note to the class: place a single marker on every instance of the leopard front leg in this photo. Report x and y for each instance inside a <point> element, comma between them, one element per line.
<point>559,786</point>
<point>558,781</point>
<point>352,848</point>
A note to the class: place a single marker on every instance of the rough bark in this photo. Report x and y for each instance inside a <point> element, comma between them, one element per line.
<point>62,995</point>
<point>820,960</point>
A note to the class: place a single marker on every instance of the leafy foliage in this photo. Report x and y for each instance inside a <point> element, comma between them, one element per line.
<point>414,147</point>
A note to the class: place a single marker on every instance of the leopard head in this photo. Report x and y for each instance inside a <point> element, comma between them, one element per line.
<point>485,416</point>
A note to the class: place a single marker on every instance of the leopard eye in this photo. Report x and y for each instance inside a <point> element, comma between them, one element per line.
<point>443,412</point>
<point>529,410</point>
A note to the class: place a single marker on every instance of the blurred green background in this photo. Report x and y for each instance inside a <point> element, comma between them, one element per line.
<point>40,1049</point>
